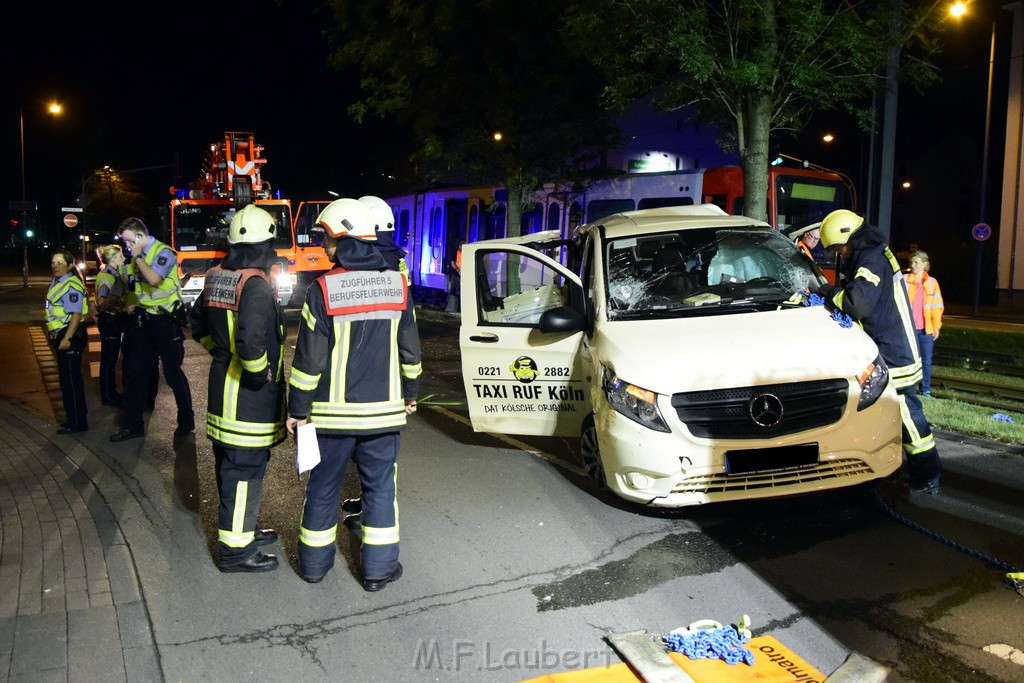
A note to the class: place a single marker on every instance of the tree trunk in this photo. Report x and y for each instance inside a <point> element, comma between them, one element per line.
<point>515,191</point>
<point>754,157</point>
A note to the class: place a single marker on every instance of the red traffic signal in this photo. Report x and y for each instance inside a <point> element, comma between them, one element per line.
<point>13,222</point>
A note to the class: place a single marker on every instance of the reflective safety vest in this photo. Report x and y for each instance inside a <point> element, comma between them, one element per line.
<point>238,320</point>
<point>162,298</point>
<point>56,316</point>
<point>115,286</point>
<point>933,307</point>
<point>357,356</point>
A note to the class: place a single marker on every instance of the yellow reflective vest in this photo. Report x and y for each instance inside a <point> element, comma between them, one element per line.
<point>56,316</point>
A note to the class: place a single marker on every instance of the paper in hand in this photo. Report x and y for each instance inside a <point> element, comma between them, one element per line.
<point>307,453</point>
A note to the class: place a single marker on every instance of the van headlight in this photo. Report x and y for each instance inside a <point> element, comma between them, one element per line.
<point>636,403</point>
<point>872,380</point>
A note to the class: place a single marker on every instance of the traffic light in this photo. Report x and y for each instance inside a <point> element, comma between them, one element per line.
<point>29,232</point>
<point>13,222</point>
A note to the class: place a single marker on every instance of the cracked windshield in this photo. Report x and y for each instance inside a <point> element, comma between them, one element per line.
<point>697,271</point>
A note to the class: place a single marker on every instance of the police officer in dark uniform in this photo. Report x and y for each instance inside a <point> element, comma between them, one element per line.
<point>154,330</point>
<point>350,378</point>
<point>875,295</point>
<point>238,320</point>
<point>110,319</point>
<point>65,309</point>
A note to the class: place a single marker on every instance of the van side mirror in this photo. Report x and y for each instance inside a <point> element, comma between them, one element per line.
<point>561,319</point>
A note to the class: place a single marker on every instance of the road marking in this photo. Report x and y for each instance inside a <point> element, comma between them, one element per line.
<point>514,443</point>
<point>1007,652</point>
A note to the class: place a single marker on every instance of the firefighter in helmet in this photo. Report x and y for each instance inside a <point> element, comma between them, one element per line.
<point>238,320</point>
<point>384,220</point>
<point>353,376</point>
<point>875,295</point>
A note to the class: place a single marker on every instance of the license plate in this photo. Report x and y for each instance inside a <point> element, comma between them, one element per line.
<point>779,459</point>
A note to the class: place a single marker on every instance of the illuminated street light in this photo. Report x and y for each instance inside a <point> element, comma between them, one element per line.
<point>905,184</point>
<point>498,136</point>
<point>54,109</point>
<point>828,137</point>
<point>958,10</point>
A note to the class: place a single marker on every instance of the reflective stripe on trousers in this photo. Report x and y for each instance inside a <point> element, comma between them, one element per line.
<point>374,457</point>
<point>240,474</point>
<point>918,440</point>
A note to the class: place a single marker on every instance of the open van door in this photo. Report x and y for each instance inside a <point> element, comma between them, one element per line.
<point>518,379</point>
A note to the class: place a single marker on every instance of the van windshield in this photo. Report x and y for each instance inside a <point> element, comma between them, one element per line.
<point>704,269</point>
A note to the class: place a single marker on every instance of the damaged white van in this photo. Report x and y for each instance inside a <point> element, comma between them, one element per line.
<point>684,350</point>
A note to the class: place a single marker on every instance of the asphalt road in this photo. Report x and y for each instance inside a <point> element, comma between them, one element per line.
<point>510,554</point>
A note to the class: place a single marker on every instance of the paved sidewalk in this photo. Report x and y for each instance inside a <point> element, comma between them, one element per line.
<point>71,608</point>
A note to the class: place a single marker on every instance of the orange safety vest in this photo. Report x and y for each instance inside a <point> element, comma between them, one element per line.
<point>932,299</point>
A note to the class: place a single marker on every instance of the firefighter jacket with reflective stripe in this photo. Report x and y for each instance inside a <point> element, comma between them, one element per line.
<point>875,295</point>
<point>932,299</point>
<point>67,292</point>
<point>237,319</point>
<point>357,357</point>
<point>166,296</point>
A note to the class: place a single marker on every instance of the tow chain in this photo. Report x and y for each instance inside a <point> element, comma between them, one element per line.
<point>1014,576</point>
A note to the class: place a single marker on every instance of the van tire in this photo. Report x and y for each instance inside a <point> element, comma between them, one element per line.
<point>590,453</point>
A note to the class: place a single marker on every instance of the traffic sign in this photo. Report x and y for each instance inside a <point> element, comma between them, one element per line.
<point>70,220</point>
<point>981,232</point>
<point>71,209</point>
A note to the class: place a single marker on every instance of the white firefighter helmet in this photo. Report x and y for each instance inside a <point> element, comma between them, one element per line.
<point>252,225</point>
<point>348,218</point>
<point>382,214</point>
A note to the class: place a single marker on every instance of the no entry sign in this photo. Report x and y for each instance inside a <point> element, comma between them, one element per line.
<point>70,220</point>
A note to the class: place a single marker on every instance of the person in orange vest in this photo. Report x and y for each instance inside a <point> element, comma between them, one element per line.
<point>926,305</point>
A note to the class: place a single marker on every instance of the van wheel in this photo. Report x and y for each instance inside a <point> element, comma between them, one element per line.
<point>590,453</point>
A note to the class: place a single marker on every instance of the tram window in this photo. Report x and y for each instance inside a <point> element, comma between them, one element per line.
<point>402,233</point>
<point>553,216</point>
<point>474,224</point>
<point>436,226</point>
<point>601,208</point>
<point>530,221</point>
<point>658,202</point>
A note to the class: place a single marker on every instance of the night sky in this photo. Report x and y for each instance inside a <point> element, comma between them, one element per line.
<point>151,85</point>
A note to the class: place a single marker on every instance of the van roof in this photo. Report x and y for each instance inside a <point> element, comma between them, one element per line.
<point>670,218</point>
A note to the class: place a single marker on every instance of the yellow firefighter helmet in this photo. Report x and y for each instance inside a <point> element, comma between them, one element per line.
<point>838,226</point>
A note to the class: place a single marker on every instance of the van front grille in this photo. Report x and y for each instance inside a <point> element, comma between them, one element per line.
<point>762,411</point>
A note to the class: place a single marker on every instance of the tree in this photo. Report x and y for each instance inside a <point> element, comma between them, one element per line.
<point>461,71</point>
<point>748,66</point>
<point>109,197</point>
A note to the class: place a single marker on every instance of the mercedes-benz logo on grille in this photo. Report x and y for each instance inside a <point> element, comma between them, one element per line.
<point>765,410</point>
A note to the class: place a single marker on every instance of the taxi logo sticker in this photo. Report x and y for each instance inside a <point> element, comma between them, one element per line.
<point>524,369</point>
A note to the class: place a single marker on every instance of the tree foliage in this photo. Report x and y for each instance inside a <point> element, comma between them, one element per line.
<point>748,66</point>
<point>458,71</point>
<point>112,197</point>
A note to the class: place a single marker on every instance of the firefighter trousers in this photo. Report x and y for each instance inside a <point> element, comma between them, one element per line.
<point>374,457</point>
<point>240,474</point>
<point>918,441</point>
<point>156,336</point>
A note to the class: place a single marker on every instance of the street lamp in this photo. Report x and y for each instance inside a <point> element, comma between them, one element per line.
<point>54,109</point>
<point>957,10</point>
